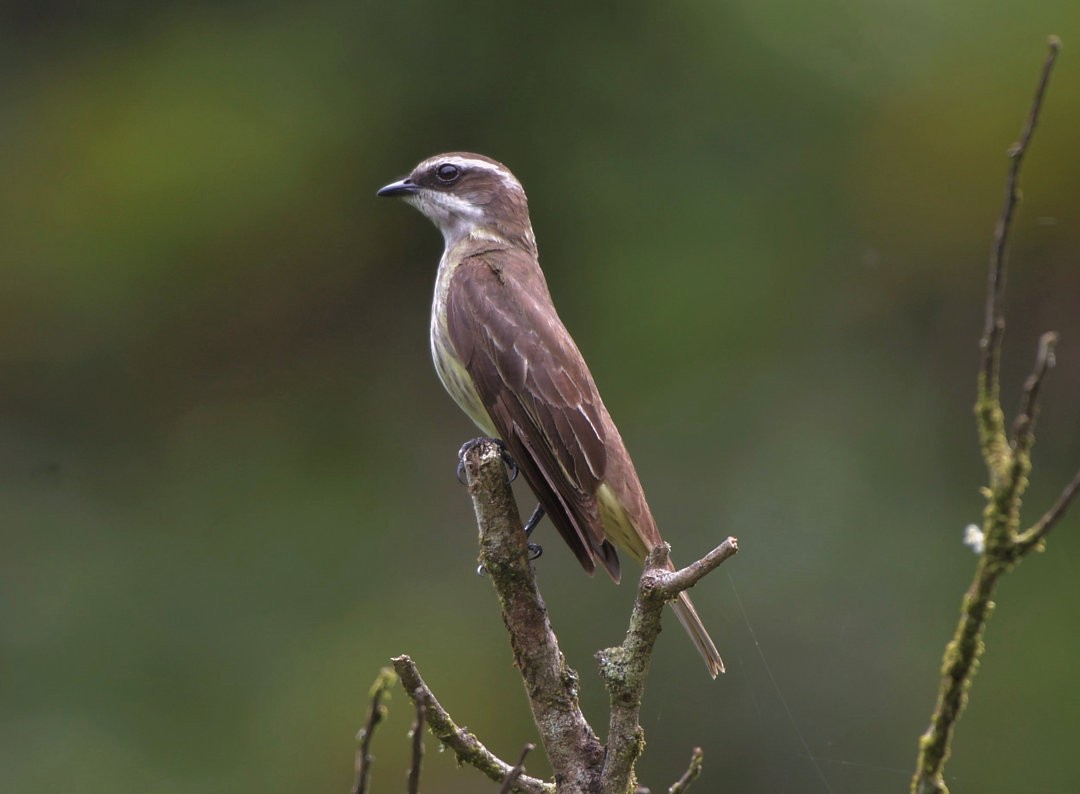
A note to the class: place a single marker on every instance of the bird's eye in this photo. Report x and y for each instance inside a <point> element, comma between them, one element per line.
<point>448,173</point>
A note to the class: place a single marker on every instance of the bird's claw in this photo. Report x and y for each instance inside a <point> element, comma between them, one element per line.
<point>534,519</point>
<point>508,460</point>
<point>512,470</point>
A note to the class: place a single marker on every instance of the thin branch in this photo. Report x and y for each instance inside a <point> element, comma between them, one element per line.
<point>625,667</point>
<point>674,582</point>
<point>551,685</point>
<point>519,767</point>
<point>468,749</point>
<point>376,713</point>
<point>994,322</point>
<point>417,745</point>
<point>697,759</point>
<point>1024,426</point>
<point>1032,537</point>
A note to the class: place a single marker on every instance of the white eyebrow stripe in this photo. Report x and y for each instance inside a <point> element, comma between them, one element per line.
<point>479,165</point>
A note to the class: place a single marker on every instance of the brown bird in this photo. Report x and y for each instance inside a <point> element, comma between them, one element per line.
<point>508,361</point>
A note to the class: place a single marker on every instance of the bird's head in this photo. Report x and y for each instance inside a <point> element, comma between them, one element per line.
<point>468,195</point>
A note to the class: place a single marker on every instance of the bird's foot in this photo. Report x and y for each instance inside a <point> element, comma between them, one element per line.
<point>533,552</point>
<point>511,466</point>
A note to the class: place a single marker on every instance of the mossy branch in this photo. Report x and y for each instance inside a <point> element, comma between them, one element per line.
<point>570,743</point>
<point>1008,463</point>
<point>468,749</point>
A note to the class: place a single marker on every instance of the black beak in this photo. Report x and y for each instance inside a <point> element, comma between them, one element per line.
<point>403,187</point>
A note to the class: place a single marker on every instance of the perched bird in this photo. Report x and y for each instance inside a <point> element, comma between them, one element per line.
<point>505,357</point>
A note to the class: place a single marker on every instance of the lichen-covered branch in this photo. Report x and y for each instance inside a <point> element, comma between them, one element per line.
<point>581,765</point>
<point>1008,462</point>
<point>580,762</point>
<point>468,749</point>
<point>572,747</point>
<point>625,667</point>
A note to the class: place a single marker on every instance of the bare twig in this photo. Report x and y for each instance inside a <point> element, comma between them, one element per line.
<point>625,667</point>
<point>1024,426</point>
<point>519,767</point>
<point>383,682</point>
<point>417,745</point>
<point>697,758</point>
<point>674,582</point>
<point>572,747</point>
<point>994,322</point>
<point>1008,466</point>
<point>468,749</point>
<point>1032,537</point>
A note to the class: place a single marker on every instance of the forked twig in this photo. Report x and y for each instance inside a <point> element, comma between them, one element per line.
<point>1008,463</point>
<point>625,667</point>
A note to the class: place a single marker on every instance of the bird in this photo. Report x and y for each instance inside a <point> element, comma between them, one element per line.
<point>508,361</point>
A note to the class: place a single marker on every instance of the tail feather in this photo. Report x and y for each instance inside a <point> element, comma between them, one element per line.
<point>688,616</point>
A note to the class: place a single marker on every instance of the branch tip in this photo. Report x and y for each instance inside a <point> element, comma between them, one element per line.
<point>697,760</point>
<point>994,322</point>
<point>377,711</point>
<point>675,582</point>
<point>1024,426</point>
<point>519,767</point>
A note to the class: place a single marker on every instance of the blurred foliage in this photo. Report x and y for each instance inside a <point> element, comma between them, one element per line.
<point>226,466</point>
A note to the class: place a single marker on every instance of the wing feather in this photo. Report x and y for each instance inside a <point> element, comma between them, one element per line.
<point>538,390</point>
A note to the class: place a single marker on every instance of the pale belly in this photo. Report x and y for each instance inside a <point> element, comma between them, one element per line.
<point>455,379</point>
<point>459,385</point>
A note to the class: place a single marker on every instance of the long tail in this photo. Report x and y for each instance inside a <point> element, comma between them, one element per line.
<point>688,616</point>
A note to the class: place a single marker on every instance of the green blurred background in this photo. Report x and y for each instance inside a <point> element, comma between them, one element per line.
<point>227,490</point>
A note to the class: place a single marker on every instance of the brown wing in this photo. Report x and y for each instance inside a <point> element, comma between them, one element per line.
<point>537,389</point>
